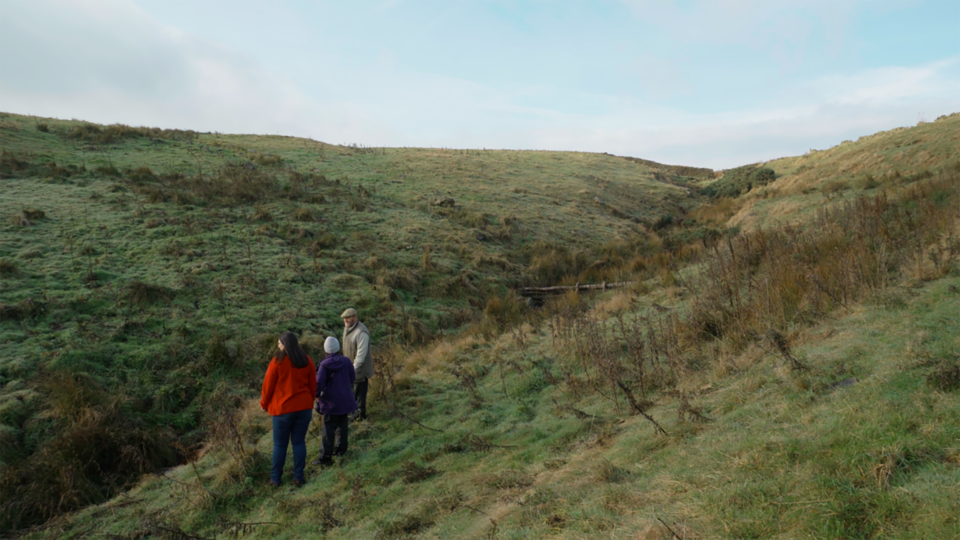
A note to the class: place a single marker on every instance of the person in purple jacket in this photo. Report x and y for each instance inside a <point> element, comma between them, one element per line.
<point>335,400</point>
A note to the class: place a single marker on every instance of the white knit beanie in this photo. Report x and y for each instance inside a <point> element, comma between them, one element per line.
<point>331,345</point>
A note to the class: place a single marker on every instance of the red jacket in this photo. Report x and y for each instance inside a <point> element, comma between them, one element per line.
<point>287,389</point>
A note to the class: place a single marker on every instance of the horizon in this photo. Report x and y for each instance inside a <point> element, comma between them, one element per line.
<point>640,79</point>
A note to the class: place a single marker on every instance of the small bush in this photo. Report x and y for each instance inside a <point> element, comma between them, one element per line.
<point>356,204</point>
<point>413,330</point>
<point>869,182</point>
<point>142,174</point>
<point>261,214</point>
<point>946,375</point>
<point>502,312</point>
<point>610,473</point>
<point>833,188</point>
<point>922,175</point>
<point>324,241</point>
<point>296,233</point>
<point>740,180</point>
<point>108,170</point>
<point>11,164</point>
<point>43,127</point>
<point>8,268</point>
<point>412,473</point>
<point>141,293</point>
<point>268,159</point>
<point>405,279</point>
<point>26,217</point>
<point>304,214</point>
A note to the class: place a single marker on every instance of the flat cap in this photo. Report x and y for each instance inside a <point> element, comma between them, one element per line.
<point>350,312</point>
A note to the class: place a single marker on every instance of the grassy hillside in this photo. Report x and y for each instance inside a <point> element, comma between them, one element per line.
<point>869,165</point>
<point>146,272</point>
<point>797,382</point>
<point>863,444</point>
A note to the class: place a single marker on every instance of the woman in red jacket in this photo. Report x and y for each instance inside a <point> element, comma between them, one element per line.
<point>288,390</point>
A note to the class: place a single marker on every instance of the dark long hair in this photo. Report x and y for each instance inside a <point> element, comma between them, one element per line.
<point>291,347</point>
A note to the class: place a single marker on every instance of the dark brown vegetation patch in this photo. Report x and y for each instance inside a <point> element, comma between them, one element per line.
<point>118,132</point>
<point>945,375</point>
<point>141,293</point>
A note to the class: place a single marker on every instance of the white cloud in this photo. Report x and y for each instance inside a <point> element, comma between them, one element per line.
<point>762,24</point>
<point>111,62</point>
<point>889,84</point>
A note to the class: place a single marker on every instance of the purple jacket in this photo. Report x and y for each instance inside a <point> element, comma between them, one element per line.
<point>335,385</point>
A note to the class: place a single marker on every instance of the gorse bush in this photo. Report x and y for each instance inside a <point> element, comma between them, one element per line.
<point>736,182</point>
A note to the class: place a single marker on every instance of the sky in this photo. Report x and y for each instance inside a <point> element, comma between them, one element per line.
<point>710,83</point>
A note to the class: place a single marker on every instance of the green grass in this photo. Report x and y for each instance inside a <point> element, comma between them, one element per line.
<point>155,264</point>
<point>884,160</point>
<point>785,456</point>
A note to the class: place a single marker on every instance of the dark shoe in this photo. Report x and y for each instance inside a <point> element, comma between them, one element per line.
<point>274,484</point>
<point>299,483</point>
<point>322,462</point>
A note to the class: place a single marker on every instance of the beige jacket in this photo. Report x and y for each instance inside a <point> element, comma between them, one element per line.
<point>356,347</point>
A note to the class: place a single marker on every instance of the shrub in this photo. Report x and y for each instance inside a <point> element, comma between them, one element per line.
<point>551,263</point>
<point>500,313</point>
<point>399,278</point>
<point>740,180</point>
<point>261,214</point>
<point>142,174</point>
<point>946,375</point>
<point>43,127</point>
<point>324,241</point>
<point>26,217</point>
<point>11,163</point>
<point>8,268</point>
<point>869,182</point>
<point>268,159</point>
<point>833,188</point>
<point>141,293</point>
<point>761,177</point>
<point>108,170</point>
<point>304,214</point>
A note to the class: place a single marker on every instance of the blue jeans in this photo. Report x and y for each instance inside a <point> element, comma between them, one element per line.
<point>286,428</point>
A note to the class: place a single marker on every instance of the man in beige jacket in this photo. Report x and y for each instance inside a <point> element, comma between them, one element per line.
<point>356,347</point>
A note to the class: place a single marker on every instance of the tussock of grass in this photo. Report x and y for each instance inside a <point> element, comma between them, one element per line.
<point>8,268</point>
<point>143,293</point>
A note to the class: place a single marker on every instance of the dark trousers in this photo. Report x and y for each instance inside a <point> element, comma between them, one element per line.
<point>360,394</point>
<point>331,423</point>
<point>287,428</point>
